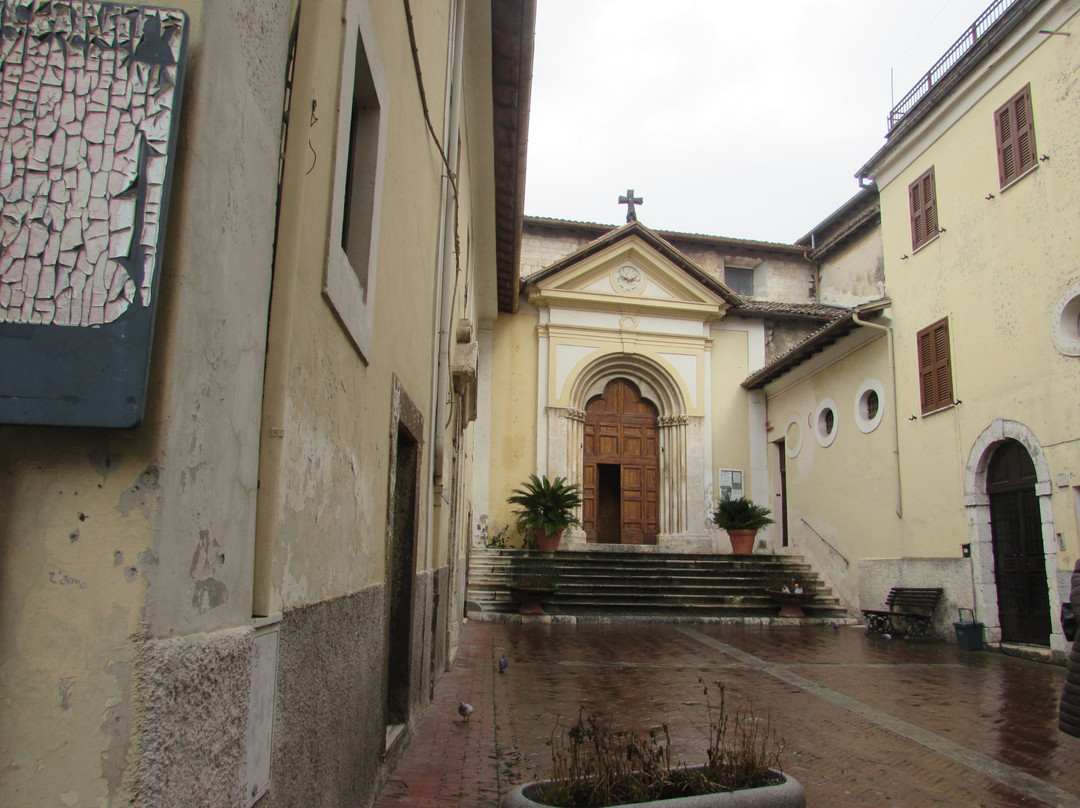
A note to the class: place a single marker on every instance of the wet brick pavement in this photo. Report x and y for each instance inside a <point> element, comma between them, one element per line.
<point>865,720</point>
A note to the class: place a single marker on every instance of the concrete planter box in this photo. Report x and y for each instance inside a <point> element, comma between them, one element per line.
<point>788,794</point>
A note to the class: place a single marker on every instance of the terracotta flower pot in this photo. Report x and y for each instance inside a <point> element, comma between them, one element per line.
<point>742,541</point>
<point>791,603</point>
<point>548,543</point>
<point>787,794</point>
<point>530,599</point>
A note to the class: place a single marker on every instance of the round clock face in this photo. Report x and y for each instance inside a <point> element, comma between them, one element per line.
<point>628,278</point>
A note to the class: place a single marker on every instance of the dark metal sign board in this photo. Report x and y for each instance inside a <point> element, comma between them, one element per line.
<point>89,109</point>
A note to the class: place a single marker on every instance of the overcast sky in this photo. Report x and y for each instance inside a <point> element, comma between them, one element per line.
<point>729,118</point>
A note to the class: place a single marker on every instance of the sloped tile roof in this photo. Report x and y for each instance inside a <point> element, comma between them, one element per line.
<point>815,343</point>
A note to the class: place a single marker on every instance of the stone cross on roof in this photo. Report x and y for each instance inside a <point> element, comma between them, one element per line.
<point>630,200</point>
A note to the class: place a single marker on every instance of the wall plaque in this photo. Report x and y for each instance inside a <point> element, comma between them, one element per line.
<point>89,103</point>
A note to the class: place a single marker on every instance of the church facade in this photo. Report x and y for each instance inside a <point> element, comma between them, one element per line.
<point>621,372</point>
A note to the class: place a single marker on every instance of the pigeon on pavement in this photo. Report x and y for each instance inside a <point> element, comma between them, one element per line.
<point>504,663</point>
<point>465,710</point>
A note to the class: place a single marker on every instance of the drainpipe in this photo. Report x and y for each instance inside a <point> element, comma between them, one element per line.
<point>444,297</point>
<point>896,423</point>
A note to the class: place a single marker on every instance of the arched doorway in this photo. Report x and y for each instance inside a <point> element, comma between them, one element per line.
<point>1019,559</point>
<point>620,467</point>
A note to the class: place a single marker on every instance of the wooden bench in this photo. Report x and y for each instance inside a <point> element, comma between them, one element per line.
<point>908,610</point>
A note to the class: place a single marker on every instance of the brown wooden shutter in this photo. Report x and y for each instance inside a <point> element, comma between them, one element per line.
<point>1006,154</point>
<point>1025,130</point>
<point>935,366</point>
<point>1014,129</point>
<point>922,195</point>
<point>929,204</point>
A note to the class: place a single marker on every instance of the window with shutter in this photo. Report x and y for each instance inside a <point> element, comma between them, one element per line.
<point>1015,131</point>
<point>935,368</point>
<point>923,197</point>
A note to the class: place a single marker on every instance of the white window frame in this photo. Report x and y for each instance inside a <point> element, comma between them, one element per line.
<point>866,424</point>
<point>353,302</point>
<point>824,438</point>
<point>1065,321</point>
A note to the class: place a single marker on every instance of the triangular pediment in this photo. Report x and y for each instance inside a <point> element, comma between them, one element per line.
<point>631,269</point>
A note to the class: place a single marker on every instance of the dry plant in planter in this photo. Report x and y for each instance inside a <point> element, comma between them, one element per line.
<point>595,766</point>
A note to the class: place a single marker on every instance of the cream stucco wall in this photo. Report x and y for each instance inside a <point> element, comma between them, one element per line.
<point>1004,259</point>
<point>996,273</point>
<point>513,453</point>
<point>331,408</point>
<point>841,498</point>
<point>730,411</point>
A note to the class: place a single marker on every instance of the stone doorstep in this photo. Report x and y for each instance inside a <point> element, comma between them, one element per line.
<point>575,619</point>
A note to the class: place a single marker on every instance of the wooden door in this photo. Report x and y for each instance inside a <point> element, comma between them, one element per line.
<point>781,449</point>
<point>1019,560</point>
<point>621,467</point>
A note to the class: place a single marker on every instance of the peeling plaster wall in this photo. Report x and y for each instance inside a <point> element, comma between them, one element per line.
<point>112,542</point>
<point>783,335</point>
<point>212,325</point>
<point>329,409</point>
<point>856,273</point>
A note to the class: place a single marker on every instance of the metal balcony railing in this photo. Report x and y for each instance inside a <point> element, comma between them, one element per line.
<point>953,55</point>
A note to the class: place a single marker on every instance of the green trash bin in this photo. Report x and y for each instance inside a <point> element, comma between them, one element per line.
<point>969,634</point>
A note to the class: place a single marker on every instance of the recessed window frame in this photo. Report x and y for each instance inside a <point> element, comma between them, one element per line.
<point>824,413</point>
<point>739,279</point>
<point>1065,321</point>
<point>350,290</point>
<point>793,441</point>
<point>1014,134</point>
<point>922,202</point>
<point>865,421</point>
<point>934,356</point>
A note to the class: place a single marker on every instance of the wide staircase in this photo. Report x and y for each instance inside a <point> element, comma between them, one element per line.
<point>626,585</point>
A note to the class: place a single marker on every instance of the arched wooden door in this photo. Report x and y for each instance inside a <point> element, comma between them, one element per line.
<point>621,467</point>
<point>1019,560</point>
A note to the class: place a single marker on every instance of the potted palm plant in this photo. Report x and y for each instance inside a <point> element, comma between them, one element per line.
<point>546,508</point>
<point>742,519</point>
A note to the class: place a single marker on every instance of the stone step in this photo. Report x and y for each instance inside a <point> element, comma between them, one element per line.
<point>645,584</point>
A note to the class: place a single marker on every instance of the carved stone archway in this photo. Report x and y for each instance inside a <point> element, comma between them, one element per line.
<point>681,442</point>
<point>977,502</point>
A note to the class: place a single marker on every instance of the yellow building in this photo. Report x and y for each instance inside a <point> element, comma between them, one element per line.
<point>248,593</point>
<point>930,437</point>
